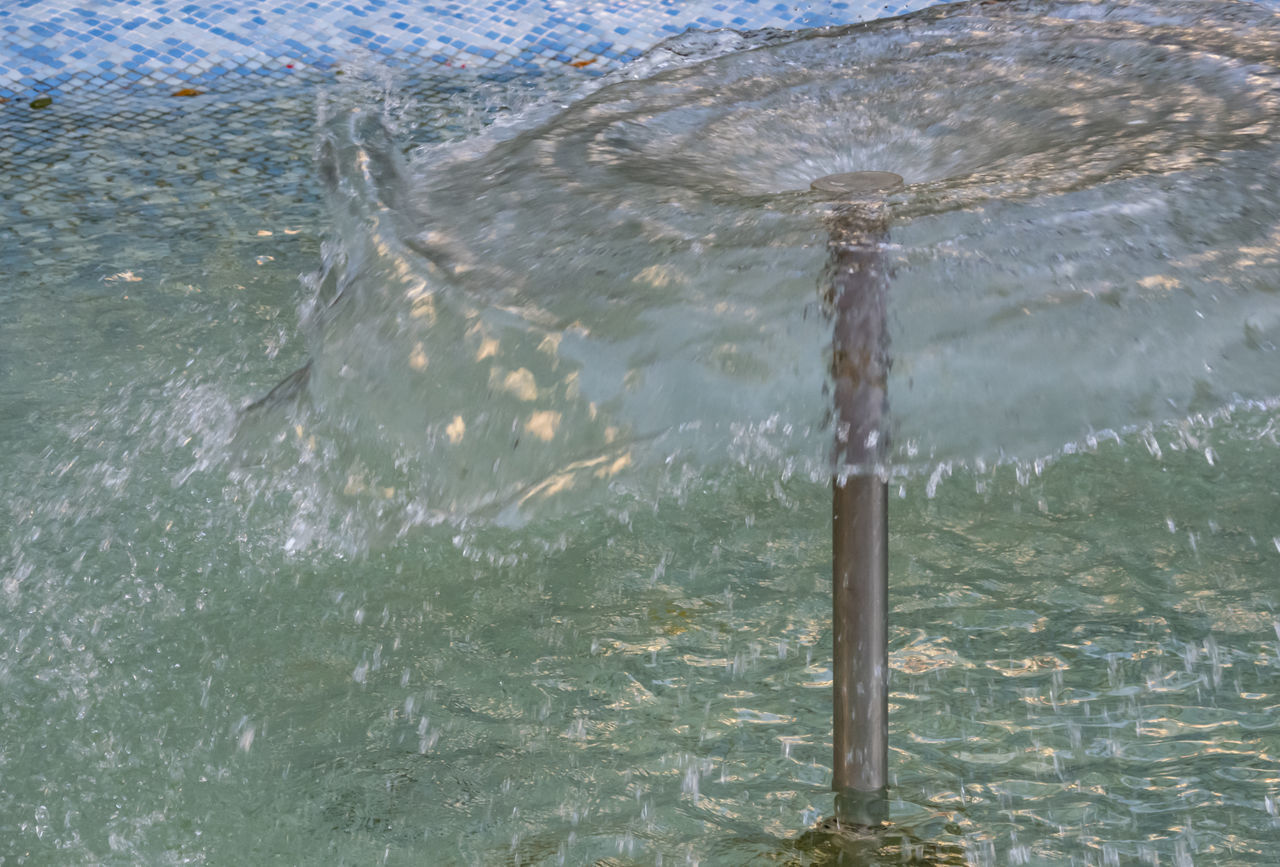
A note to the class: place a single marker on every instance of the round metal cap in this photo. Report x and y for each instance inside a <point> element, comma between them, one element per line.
<point>857,184</point>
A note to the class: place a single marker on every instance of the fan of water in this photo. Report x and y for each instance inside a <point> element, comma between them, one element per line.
<point>1086,243</point>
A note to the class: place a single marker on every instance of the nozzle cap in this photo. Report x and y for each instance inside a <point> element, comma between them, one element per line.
<point>857,184</point>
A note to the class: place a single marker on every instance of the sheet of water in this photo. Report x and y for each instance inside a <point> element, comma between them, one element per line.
<point>237,639</point>
<point>1086,242</point>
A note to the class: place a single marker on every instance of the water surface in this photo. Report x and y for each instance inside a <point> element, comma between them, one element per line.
<point>588,623</point>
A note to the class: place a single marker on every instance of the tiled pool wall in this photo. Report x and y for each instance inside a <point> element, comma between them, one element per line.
<point>67,50</point>
<point>165,93</point>
<point>120,117</point>
<point>88,55</point>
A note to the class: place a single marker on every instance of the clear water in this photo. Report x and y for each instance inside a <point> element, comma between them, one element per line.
<point>535,567</point>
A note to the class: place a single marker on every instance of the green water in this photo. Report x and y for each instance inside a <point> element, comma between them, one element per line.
<point>230,646</point>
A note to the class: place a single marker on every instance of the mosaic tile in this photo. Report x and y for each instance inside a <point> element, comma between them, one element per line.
<point>167,93</point>
<point>115,149</point>
<point>71,48</point>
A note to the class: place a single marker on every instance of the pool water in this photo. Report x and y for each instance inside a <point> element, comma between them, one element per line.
<point>302,635</point>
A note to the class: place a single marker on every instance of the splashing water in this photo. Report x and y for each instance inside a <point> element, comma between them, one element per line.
<point>1086,243</point>
<point>298,632</point>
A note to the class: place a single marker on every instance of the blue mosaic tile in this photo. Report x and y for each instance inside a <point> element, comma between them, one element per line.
<point>152,43</point>
<point>112,68</point>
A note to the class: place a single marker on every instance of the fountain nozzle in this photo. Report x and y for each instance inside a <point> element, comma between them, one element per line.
<point>857,184</point>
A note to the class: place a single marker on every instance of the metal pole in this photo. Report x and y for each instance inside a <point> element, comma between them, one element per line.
<point>859,510</point>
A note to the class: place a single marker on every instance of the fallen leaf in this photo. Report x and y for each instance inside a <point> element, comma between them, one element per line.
<point>42,102</point>
<point>188,91</point>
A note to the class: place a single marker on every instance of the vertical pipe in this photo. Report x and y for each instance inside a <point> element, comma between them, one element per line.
<point>857,299</point>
